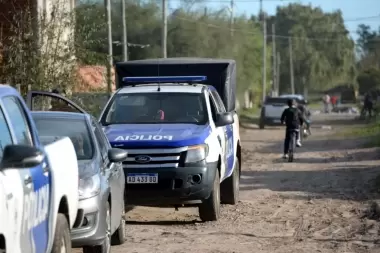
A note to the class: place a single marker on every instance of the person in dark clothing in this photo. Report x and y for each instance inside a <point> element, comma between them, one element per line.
<point>368,105</point>
<point>293,119</point>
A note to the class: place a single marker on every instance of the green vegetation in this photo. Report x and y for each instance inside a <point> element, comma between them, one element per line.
<point>324,56</point>
<point>370,131</point>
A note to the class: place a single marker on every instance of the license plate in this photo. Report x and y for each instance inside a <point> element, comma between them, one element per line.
<point>276,121</point>
<point>139,178</point>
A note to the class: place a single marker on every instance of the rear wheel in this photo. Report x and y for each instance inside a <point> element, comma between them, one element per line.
<point>62,239</point>
<point>209,210</point>
<point>230,187</point>
<point>292,146</point>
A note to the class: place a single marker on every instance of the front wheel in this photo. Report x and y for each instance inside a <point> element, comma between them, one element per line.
<point>209,210</point>
<point>62,239</point>
<point>118,238</point>
<point>230,186</point>
<point>105,247</point>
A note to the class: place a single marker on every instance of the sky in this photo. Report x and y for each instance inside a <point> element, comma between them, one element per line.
<point>354,12</point>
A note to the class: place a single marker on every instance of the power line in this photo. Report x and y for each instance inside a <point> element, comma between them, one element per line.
<point>275,35</point>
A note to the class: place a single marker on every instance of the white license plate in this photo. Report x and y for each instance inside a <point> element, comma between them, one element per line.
<point>276,121</point>
<point>142,178</point>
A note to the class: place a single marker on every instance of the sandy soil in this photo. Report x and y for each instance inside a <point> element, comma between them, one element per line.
<point>319,203</point>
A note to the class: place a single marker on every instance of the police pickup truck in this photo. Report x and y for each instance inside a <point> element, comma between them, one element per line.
<point>182,137</point>
<point>38,189</point>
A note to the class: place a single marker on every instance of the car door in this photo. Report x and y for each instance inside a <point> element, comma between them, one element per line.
<point>36,181</point>
<point>111,172</point>
<point>49,101</point>
<point>12,193</point>
<point>221,133</point>
<point>119,177</point>
<point>229,136</point>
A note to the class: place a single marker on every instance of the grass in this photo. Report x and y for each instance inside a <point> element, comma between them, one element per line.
<point>249,116</point>
<point>370,131</point>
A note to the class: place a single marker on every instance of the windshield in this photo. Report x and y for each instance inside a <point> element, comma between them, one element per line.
<point>52,129</point>
<point>151,108</point>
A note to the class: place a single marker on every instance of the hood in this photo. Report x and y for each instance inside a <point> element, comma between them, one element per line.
<point>87,168</point>
<point>156,135</point>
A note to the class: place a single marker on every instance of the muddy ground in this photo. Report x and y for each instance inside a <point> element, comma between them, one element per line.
<point>319,203</point>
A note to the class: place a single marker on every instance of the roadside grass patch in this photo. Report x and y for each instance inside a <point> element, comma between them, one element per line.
<point>370,132</point>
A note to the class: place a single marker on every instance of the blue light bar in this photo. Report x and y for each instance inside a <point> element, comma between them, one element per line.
<point>164,79</point>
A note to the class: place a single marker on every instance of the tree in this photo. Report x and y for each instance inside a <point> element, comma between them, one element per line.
<point>323,55</point>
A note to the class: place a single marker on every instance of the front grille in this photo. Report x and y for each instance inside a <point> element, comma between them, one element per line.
<point>158,157</point>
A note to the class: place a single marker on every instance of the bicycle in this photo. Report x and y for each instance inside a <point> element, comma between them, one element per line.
<point>292,145</point>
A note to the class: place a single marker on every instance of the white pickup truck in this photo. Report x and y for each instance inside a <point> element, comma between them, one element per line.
<point>38,184</point>
<point>181,132</point>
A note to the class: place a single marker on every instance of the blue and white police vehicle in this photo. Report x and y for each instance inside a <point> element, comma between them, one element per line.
<point>38,184</point>
<point>183,144</point>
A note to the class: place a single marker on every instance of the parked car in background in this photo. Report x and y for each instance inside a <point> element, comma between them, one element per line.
<point>100,219</point>
<point>271,111</point>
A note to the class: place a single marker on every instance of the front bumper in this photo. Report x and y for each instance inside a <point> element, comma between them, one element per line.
<point>175,186</point>
<point>90,223</point>
<point>271,121</point>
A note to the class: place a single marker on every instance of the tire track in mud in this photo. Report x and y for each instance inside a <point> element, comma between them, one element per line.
<point>316,204</point>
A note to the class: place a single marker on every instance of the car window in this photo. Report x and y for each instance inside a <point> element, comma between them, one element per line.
<point>156,108</point>
<point>18,120</point>
<point>51,129</point>
<point>5,135</point>
<point>99,138</point>
<point>218,101</point>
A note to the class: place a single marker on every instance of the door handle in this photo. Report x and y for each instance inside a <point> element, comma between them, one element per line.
<point>28,180</point>
<point>45,169</point>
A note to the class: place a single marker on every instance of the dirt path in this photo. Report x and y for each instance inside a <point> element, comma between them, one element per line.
<point>317,204</point>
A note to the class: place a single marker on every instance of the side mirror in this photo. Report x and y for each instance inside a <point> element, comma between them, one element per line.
<point>21,156</point>
<point>117,155</point>
<point>224,119</point>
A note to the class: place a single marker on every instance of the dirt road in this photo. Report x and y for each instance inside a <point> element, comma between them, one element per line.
<point>316,204</point>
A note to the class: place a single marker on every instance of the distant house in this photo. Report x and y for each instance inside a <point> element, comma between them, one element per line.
<point>93,78</point>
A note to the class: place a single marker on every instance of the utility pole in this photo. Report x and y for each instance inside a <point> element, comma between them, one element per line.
<point>125,41</point>
<point>274,64</point>
<point>264,50</point>
<point>164,29</point>
<point>278,61</point>
<point>110,52</point>
<point>232,17</point>
<point>291,66</point>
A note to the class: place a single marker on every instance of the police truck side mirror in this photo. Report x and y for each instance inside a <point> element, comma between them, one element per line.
<point>21,156</point>
<point>224,119</point>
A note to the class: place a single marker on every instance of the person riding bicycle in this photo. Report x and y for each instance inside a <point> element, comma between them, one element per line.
<point>293,119</point>
<point>306,115</point>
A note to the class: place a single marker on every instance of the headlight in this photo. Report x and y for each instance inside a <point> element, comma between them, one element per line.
<point>89,187</point>
<point>196,153</point>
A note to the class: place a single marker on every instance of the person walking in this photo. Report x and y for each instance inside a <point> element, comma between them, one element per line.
<point>326,102</point>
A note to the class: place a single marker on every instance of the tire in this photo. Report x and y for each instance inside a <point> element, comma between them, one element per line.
<point>105,247</point>
<point>292,145</point>
<point>118,238</point>
<point>209,210</point>
<point>62,239</point>
<point>230,187</point>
